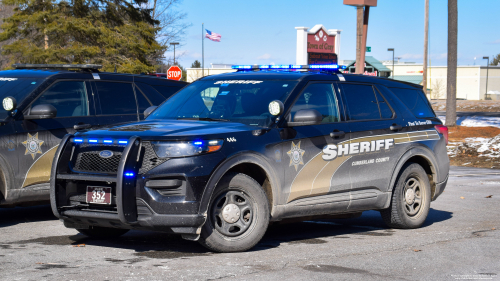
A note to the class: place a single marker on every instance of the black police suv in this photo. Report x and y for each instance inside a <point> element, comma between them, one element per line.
<point>229,153</point>
<point>42,103</point>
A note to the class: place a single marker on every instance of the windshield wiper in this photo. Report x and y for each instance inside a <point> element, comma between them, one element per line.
<point>202,119</point>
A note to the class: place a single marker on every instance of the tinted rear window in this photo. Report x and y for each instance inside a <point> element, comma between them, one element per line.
<point>361,102</point>
<point>416,102</point>
<point>116,98</point>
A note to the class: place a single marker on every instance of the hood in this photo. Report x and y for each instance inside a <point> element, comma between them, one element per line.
<point>175,129</point>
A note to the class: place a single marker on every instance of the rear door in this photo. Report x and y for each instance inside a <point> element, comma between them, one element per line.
<point>373,142</point>
<point>39,139</point>
<point>310,172</point>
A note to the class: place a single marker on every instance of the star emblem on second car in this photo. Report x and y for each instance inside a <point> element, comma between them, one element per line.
<point>32,145</point>
<point>296,154</point>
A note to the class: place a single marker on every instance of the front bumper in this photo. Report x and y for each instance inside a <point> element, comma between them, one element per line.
<point>178,224</point>
<point>135,204</point>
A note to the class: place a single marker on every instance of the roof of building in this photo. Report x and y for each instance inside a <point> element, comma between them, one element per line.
<point>376,63</point>
<point>416,79</point>
<point>373,62</point>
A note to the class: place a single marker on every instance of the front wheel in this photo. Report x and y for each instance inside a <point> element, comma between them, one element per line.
<point>102,232</point>
<point>411,199</point>
<point>238,215</point>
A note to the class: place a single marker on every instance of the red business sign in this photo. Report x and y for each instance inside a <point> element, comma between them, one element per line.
<point>174,73</point>
<point>321,42</point>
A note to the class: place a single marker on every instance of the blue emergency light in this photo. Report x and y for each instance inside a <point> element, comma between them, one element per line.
<point>96,140</point>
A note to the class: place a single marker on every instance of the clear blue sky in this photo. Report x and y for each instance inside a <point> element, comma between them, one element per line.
<point>255,32</point>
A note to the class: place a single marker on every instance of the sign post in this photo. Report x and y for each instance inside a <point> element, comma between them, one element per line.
<point>174,73</point>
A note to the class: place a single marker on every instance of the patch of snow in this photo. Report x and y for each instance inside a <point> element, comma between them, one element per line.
<point>475,121</point>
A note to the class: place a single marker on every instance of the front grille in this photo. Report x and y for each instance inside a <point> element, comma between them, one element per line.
<point>88,159</point>
<point>91,162</point>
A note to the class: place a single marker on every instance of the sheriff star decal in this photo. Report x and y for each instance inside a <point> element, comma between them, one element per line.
<point>296,154</point>
<point>33,145</point>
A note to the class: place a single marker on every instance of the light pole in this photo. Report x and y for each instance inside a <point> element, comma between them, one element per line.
<point>392,50</point>
<point>173,44</point>
<point>487,68</point>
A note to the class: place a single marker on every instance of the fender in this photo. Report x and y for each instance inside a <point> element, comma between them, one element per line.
<point>55,164</point>
<point>220,171</point>
<point>7,180</point>
<point>419,150</point>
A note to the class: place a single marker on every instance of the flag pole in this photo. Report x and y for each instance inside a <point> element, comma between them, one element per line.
<point>202,51</point>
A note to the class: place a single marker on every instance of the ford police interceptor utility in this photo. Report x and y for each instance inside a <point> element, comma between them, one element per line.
<point>42,103</point>
<point>229,153</point>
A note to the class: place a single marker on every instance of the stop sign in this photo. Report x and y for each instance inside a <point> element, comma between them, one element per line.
<point>174,73</point>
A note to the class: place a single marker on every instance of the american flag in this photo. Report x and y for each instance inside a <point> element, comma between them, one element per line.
<point>213,36</point>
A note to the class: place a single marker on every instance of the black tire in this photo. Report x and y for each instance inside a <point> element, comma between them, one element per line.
<point>243,231</point>
<point>103,232</point>
<point>409,209</point>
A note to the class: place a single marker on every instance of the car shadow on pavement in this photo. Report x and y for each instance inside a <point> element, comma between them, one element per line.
<point>157,245</point>
<point>17,215</point>
<point>316,231</point>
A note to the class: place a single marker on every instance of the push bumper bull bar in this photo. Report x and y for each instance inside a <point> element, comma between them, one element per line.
<point>126,201</point>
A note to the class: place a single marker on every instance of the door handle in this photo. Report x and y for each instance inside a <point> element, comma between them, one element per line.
<point>337,134</point>
<point>395,127</point>
<point>82,126</point>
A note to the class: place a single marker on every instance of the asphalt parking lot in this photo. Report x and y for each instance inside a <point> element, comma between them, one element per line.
<point>459,241</point>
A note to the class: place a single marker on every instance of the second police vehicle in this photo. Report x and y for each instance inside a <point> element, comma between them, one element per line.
<point>230,153</point>
<point>43,102</point>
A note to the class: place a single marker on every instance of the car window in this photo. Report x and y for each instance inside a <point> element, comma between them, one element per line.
<point>385,110</point>
<point>19,88</point>
<point>166,91</point>
<point>415,100</point>
<point>361,102</point>
<point>152,95</point>
<point>68,97</point>
<point>116,98</point>
<point>242,101</point>
<point>319,96</point>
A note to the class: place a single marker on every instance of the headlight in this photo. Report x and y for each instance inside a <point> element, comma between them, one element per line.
<point>180,149</point>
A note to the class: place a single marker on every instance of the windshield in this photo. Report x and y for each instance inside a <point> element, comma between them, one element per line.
<point>19,88</point>
<point>243,101</point>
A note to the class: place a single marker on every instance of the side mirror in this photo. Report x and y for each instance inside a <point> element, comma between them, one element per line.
<point>42,111</point>
<point>306,117</point>
<point>149,110</point>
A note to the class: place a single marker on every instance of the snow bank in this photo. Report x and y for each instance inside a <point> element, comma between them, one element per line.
<point>481,147</point>
<point>475,121</point>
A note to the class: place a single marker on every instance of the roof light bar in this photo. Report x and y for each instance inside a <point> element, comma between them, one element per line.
<point>98,140</point>
<point>285,66</point>
<point>241,67</point>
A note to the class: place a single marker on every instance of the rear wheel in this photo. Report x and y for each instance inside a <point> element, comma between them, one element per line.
<point>103,232</point>
<point>238,215</point>
<point>411,199</point>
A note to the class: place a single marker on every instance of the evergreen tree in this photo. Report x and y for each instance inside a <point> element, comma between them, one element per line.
<point>496,60</point>
<point>107,32</point>
<point>196,64</point>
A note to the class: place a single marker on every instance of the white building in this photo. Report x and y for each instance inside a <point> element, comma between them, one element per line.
<point>471,80</point>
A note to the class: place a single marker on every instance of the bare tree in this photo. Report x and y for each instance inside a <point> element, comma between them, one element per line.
<point>451,88</point>
<point>438,89</point>
<point>172,25</point>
